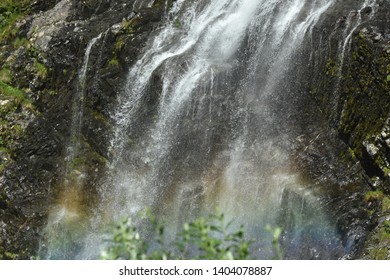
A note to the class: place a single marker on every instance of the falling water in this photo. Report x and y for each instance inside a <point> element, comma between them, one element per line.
<point>65,217</point>
<point>186,161</point>
<point>218,133</point>
<point>79,104</point>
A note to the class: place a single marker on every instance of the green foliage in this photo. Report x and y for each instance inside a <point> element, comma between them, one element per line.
<point>211,239</point>
<point>379,242</point>
<point>382,238</point>
<point>119,44</point>
<point>374,195</point>
<point>14,108</point>
<point>113,62</point>
<point>41,69</point>
<point>8,256</point>
<point>386,204</point>
<point>126,244</point>
<point>128,26</point>
<point>203,238</point>
<point>331,68</point>
<point>276,234</point>
<point>19,42</point>
<point>5,75</point>
<point>352,152</point>
<point>8,90</point>
<point>10,12</point>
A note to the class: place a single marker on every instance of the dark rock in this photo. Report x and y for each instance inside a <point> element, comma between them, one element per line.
<point>58,34</point>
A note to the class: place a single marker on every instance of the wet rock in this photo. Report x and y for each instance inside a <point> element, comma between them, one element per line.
<point>372,150</point>
<point>47,25</point>
<point>58,33</point>
<point>366,10</point>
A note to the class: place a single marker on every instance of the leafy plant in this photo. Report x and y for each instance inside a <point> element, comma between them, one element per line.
<point>126,243</point>
<point>203,238</point>
<point>276,234</point>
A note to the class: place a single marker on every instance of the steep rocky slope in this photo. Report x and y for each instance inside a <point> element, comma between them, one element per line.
<point>351,86</point>
<point>40,55</point>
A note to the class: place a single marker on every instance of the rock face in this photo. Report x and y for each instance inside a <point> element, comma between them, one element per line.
<point>352,86</point>
<point>44,68</point>
<point>348,79</point>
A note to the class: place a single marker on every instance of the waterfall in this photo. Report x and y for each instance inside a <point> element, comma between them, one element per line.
<point>204,122</point>
<point>65,217</point>
<point>225,62</point>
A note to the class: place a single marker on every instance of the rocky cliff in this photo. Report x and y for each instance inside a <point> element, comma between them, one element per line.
<point>41,52</point>
<point>346,85</point>
<point>351,88</point>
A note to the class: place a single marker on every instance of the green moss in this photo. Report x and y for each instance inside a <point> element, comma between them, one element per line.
<point>5,75</point>
<point>41,69</point>
<point>99,116</point>
<point>13,112</point>
<point>177,23</point>
<point>352,152</point>
<point>379,243</point>
<point>129,26</point>
<point>20,42</point>
<point>8,256</point>
<point>364,104</point>
<point>163,4</point>
<point>10,12</point>
<point>119,44</point>
<point>379,254</point>
<point>113,62</point>
<point>87,157</point>
<point>386,204</point>
<point>8,90</point>
<point>374,195</point>
<point>331,68</point>
<point>78,163</point>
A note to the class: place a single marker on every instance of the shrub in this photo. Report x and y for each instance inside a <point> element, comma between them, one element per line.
<point>203,238</point>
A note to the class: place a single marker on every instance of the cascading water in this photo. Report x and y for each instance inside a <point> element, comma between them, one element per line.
<point>218,133</point>
<point>66,217</point>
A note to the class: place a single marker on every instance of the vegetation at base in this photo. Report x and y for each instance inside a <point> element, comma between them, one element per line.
<point>382,239</point>
<point>8,256</point>
<point>378,247</point>
<point>207,238</point>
